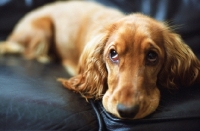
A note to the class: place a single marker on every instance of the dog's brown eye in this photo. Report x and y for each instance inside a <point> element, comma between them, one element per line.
<point>114,56</point>
<point>152,57</point>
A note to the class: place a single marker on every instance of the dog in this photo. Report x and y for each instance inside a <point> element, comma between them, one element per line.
<point>121,59</point>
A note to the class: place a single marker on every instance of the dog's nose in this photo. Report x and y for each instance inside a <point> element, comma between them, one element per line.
<point>127,112</point>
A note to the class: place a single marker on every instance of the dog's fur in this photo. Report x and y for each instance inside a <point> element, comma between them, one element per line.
<point>121,59</point>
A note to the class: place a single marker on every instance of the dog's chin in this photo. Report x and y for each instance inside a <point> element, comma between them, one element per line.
<point>149,110</point>
<point>144,110</point>
<point>139,115</point>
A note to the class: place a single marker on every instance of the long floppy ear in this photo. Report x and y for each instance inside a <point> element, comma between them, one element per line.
<point>182,67</point>
<point>92,77</point>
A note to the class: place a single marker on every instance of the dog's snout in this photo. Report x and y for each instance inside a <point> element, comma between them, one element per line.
<point>127,112</point>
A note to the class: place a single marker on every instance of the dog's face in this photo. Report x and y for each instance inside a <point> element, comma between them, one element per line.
<point>129,61</point>
<point>133,55</point>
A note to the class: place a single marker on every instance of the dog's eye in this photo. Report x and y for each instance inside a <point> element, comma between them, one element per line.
<point>114,56</point>
<point>152,57</point>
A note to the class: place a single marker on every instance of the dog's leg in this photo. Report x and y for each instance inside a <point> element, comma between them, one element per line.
<point>33,43</point>
<point>69,67</point>
<point>41,40</point>
<point>40,52</point>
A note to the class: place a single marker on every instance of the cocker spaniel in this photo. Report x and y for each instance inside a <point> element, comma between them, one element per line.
<point>121,59</point>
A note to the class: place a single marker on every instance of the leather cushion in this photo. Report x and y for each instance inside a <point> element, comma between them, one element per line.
<point>32,99</point>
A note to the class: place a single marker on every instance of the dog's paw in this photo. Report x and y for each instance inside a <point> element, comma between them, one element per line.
<point>43,59</point>
<point>10,48</point>
<point>2,48</point>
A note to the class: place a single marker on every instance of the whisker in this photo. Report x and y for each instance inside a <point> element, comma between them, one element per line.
<point>172,26</point>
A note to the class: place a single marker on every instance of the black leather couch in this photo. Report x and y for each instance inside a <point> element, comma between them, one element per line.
<point>32,99</point>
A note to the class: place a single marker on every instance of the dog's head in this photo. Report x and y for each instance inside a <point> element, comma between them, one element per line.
<point>128,62</point>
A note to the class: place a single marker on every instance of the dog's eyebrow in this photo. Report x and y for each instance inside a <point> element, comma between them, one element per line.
<point>154,46</point>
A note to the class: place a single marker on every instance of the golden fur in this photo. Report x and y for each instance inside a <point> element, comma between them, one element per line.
<point>122,59</point>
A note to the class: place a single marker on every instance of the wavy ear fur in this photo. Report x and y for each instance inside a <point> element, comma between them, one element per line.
<point>92,78</point>
<point>181,67</point>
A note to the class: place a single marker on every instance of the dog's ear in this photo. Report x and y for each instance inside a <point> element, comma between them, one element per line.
<point>92,77</point>
<point>181,67</point>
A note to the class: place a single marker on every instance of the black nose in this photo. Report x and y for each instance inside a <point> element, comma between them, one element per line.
<point>127,112</point>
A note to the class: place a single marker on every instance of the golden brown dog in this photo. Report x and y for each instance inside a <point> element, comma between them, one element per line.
<point>121,59</point>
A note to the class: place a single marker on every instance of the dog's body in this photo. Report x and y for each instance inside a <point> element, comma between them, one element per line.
<point>120,58</point>
<point>41,27</point>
